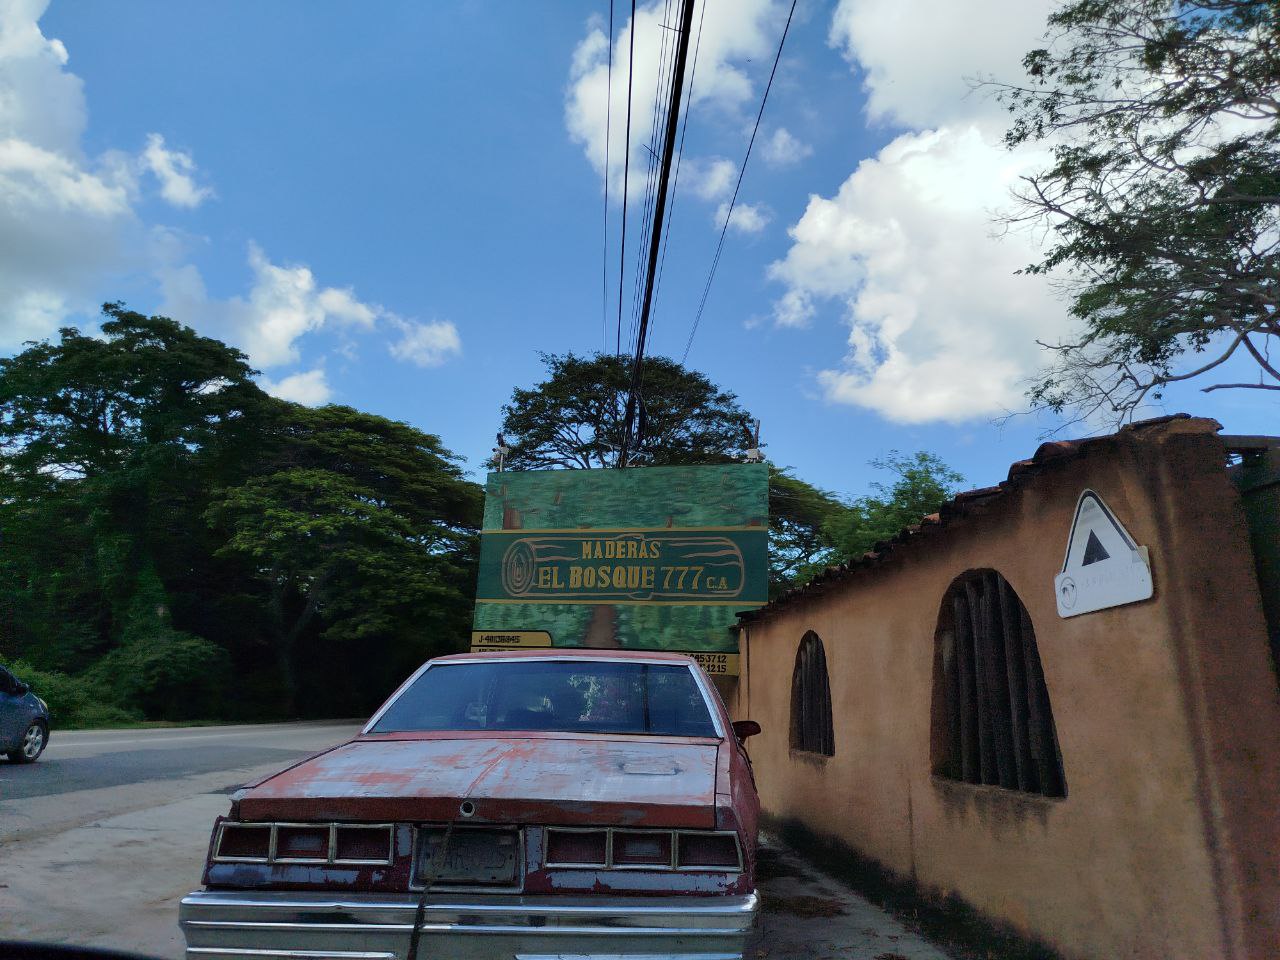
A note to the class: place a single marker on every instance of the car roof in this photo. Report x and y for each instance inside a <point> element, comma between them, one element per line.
<point>568,653</point>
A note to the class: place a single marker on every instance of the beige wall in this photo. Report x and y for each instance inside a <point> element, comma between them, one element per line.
<point>1167,713</point>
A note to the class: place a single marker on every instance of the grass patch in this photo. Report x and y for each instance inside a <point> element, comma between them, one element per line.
<point>169,724</point>
<point>107,722</point>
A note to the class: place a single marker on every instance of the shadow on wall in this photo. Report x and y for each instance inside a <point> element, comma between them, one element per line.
<point>947,920</point>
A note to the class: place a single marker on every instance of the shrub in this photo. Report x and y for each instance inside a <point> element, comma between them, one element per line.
<point>167,674</point>
<point>74,701</point>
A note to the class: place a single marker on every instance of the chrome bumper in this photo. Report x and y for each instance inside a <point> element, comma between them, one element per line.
<point>256,925</point>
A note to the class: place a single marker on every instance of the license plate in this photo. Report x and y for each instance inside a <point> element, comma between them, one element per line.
<point>476,856</point>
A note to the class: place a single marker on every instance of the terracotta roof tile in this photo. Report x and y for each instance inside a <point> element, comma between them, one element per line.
<point>961,505</point>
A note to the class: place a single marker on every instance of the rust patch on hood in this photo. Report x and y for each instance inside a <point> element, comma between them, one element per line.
<point>583,780</point>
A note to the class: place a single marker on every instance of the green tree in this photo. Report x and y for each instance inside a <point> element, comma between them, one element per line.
<point>166,673</point>
<point>800,518</point>
<point>1161,201</point>
<point>363,531</point>
<point>922,484</point>
<point>104,443</point>
<point>147,395</point>
<point>574,419</point>
<point>176,541</point>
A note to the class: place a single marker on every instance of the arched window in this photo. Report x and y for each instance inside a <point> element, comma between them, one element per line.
<point>992,721</point>
<point>811,729</point>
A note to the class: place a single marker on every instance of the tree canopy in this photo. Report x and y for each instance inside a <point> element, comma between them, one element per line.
<point>186,545</point>
<point>1162,198</point>
<point>574,420</point>
<point>921,484</point>
<point>576,417</point>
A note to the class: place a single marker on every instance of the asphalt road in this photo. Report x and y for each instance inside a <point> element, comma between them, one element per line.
<point>102,838</point>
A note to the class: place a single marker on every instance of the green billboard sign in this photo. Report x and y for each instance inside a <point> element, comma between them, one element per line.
<point>657,558</point>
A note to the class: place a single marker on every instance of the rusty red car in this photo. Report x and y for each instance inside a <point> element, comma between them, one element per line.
<point>523,804</point>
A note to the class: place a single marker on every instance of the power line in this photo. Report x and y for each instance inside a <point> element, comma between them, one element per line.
<point>608,135</point>
<point>715,261</point>
<point>661,100</point>
<point>684,129</point>
<point>659,208</point>
<point>626,175</point>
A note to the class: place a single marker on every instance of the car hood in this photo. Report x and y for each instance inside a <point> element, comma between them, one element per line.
<point>639,781</point>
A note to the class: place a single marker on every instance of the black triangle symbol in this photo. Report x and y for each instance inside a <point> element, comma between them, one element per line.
<point>1094,551</point>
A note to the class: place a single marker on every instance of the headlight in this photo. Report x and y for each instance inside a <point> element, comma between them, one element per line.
<point>43,705</point>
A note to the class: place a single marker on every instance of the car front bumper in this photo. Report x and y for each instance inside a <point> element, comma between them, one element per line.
<point>259,925</point>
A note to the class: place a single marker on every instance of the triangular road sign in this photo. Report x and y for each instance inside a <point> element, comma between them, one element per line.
<point>1103,566</point>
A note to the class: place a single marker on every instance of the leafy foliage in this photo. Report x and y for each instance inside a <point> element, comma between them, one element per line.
<point>176,543</point>
<point>800,543</point>
<point>1162,199</point>
<point>575,418</point>
<point>362,523</point>
<point>74,701</point>
<point>922,484</point>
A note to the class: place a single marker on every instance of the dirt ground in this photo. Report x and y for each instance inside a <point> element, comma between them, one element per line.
<point>807,914</point>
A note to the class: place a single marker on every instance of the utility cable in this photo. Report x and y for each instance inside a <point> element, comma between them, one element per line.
<point>715,261</point>
<point>684,129</point>
<point>659,208</point>
<point>608,135</point>
<point>661,100</point>
<point>626,175</point>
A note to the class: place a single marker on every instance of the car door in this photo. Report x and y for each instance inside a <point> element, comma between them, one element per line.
<point>14,712</point>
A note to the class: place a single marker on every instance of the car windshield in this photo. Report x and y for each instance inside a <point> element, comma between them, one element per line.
<point>572,696</point>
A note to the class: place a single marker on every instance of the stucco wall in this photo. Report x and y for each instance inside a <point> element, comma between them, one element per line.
<point>1167,715</point>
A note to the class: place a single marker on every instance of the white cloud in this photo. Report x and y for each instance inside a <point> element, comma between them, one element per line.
<point>174,170</point>
<point>426,344</point>
<point>36,179</point>
<point>309,388</point>
<point>746,218</point>
<point>783,149</point>
<point>915,55</point>
<point>794,308</point>
<point>711,178</point>
<point>68,228</point>
<point>940,326</point>
<point>64,222</point>
<point>732,34</point>
<point>284,304</point>
<point>69,232</point>
<point>40,102</point>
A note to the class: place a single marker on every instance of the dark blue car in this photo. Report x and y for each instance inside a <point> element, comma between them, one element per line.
<point>24,720</point>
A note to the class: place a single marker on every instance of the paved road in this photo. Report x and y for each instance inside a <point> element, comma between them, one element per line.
<point>102,837</point>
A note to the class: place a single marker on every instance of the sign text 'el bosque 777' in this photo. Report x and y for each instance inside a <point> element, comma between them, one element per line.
<point>603,566</point>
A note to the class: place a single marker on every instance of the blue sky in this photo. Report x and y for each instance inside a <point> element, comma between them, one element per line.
<point>395,206</point>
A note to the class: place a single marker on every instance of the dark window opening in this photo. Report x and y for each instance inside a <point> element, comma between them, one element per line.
<point>811,729</point>
<point>992,721</point>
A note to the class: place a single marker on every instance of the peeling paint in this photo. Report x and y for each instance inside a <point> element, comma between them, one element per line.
<point>587,779</point>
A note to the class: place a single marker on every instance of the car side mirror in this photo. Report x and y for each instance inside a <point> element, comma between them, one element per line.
<point>22,688</point>
<point>745,728</point>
